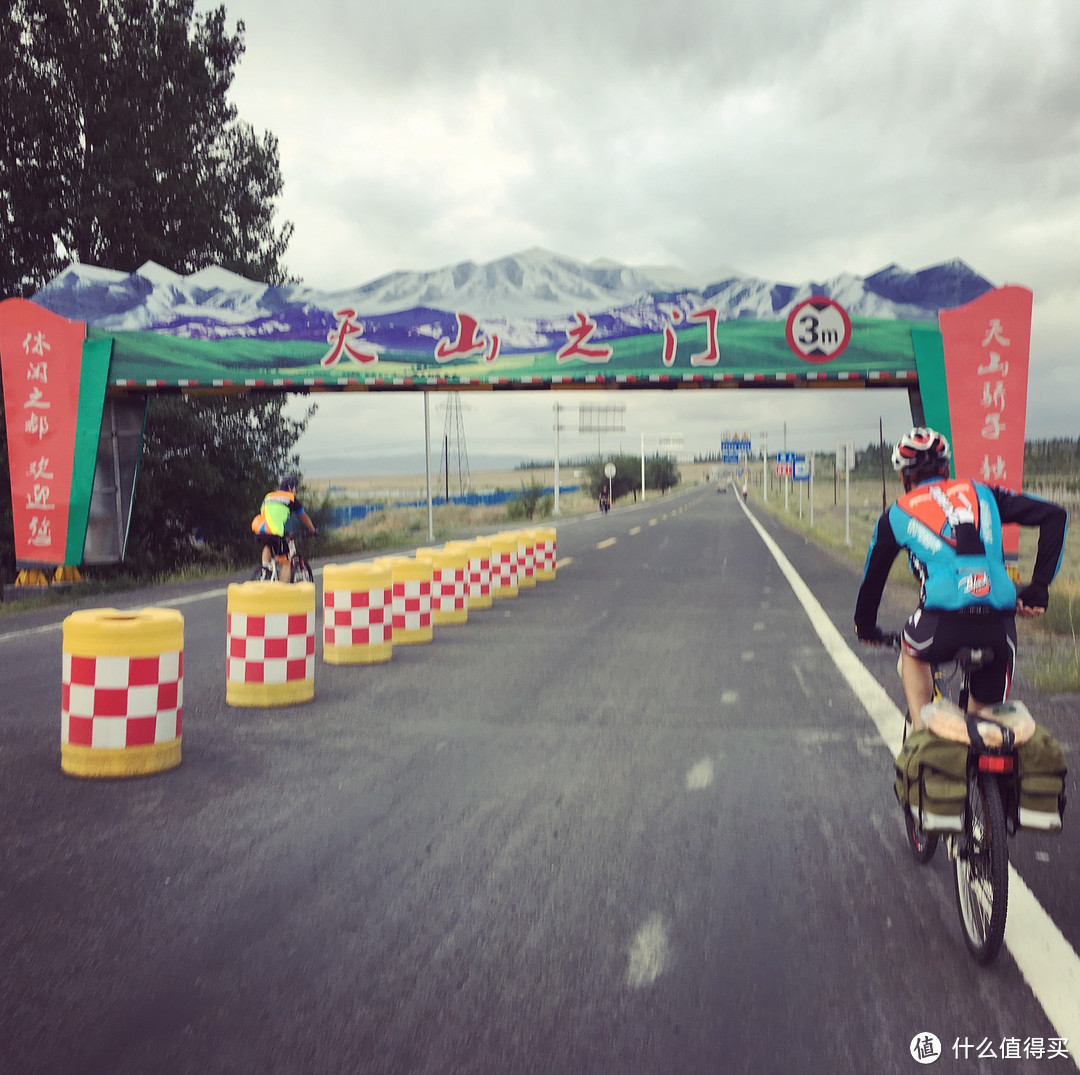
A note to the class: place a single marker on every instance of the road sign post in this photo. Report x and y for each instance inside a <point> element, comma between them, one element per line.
<point>845,462</point>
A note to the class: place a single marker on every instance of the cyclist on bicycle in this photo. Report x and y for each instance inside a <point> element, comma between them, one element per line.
<point>274,519</point>
<point>951,530</point>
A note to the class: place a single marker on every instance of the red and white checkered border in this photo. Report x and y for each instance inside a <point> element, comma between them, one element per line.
<point>275,648</point>
<point>358,617</point>
<point>121,702</point>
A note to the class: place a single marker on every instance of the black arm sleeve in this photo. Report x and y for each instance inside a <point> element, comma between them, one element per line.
<point>879,560</point>
<point>1052,521</point>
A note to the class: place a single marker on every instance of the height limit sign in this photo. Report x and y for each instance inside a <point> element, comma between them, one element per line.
<point>818,329</point>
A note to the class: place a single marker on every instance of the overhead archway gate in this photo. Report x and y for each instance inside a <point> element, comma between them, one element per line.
<point>965,369</point>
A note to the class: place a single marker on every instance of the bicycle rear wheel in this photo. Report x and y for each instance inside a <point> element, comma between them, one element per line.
<point>922,844</point>
<point>982,869</point>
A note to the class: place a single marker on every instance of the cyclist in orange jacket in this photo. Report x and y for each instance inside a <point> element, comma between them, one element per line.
<point>274,519</point>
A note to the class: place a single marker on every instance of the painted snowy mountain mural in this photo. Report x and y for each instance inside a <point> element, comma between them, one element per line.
<point>534,316</point>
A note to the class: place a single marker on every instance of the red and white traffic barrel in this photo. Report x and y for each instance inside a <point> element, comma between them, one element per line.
<point>478,572</point>
<point>270,654</point>
<point>545,553</point>
<point>504,565</point>
<point>449,588</point>
<point>526,559</point>
<point>122,695</point>
<point>358,617</point>
<point>411,581</point>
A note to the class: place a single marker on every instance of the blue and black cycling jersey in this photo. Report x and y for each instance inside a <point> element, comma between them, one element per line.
<point>952,531</point>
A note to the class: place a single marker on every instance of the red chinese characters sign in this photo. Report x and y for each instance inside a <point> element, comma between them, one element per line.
<point>986,345</point>
<point>42,360</point>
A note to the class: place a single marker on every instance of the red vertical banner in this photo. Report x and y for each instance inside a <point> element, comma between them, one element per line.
<point>986,346</point>
<point>41,359</point>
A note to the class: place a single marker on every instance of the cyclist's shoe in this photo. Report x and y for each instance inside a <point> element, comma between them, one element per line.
<point>265,574</point>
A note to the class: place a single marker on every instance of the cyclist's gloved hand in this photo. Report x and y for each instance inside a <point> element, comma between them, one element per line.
<point>1034,595</point>
<point>869,634</point>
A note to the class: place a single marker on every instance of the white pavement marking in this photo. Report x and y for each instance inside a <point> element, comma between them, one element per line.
<point>606,544</point>
<point>635,530</point>
<point>1047,961</point>
<point>46,628</point>
<point>649,953</point>
<point>700,775</point>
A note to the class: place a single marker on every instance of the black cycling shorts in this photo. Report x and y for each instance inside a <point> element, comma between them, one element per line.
<point>279,546</point>
<point>935,636</point>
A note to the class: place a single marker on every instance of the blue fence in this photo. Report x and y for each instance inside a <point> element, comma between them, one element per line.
<point>352,513</point>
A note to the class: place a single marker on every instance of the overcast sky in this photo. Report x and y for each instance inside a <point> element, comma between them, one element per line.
<point>788,139</point>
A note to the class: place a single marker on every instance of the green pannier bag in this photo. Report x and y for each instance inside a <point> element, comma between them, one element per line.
<point>931,781</point>
<point>1041,782</point>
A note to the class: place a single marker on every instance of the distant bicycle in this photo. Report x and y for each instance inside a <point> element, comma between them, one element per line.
<point>299,568</point>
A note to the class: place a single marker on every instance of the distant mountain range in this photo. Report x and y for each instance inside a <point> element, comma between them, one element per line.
<point>529,295</point>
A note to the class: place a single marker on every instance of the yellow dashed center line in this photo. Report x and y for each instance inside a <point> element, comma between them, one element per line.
<point>606,544</point>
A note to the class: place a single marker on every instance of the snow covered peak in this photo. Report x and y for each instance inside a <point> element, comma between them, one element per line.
<point>532,284</point>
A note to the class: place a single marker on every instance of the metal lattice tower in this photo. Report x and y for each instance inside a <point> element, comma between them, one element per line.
<point>454,461</point>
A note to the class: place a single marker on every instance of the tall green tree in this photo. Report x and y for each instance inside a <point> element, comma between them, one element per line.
<point>661,473</point>
<point>118,146</point>
<point>207,464</point>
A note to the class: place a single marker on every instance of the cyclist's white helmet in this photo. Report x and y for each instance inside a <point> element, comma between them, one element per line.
<point>921,450</point>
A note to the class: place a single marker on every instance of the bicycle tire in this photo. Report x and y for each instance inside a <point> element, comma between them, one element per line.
<point>981,870</point>
<point>301,571</point>
<point>922,844</point>
<point>262,574</point>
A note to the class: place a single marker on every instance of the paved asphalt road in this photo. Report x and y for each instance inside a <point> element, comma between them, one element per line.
<point>632,821</point>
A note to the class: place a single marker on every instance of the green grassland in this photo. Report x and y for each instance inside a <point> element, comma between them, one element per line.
<point>1049,656</point>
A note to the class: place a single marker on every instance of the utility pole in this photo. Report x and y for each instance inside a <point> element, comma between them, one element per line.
<point>558,427</point>
<point>427,465</point>
<point>764,465</point>
<point>643,468</point>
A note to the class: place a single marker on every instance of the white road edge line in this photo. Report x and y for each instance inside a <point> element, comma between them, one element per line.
<point>1047,961</point>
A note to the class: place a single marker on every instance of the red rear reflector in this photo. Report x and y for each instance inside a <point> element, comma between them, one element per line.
<point>996,763</point>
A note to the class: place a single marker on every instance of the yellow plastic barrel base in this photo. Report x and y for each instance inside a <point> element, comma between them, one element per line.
<point>129,761</point>
<point>377,654</point>
<point>412,636</point>
<point>269,694</point>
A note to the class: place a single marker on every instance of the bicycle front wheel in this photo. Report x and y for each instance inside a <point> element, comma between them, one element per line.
<point>982,869</point>
<point>301,571</point>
